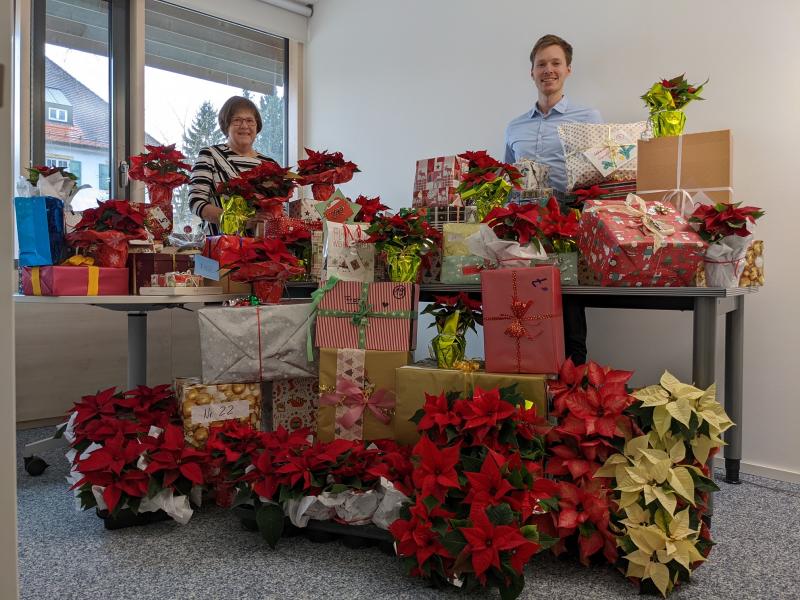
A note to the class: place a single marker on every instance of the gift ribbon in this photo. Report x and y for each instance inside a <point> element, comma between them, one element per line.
<point>355,400</point>
<point>684,195</point>
<point>316,297</point>
<point>635,207</point>
<point>360,318</point>
<point>518,317</point>
<point>609,143</point>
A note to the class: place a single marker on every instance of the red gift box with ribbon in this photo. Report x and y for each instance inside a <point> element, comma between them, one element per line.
<point>523,328</point>
<point>638,244</point>
<point>75,279</point>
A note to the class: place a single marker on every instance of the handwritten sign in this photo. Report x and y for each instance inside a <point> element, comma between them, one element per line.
<point>222,411</point>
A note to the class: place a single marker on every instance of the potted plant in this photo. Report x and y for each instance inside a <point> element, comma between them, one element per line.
<point>558,231</point>
<point>487,182</point>
<point>453,316</point>
<point>403,238</point>
<point>323,171</point>
<point>666,100</point>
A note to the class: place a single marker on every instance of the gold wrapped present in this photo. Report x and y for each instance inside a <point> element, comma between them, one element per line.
<point>206,406</point>
<point>357,393</point>
<point>414,381</point>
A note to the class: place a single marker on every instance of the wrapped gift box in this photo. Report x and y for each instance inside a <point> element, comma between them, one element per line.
<point>596,153</point>
<point>295,403</point>
<point>454,238</point>
<point>143,266</point>
<point>74,281</point>
<point>157,219</point>
<point>206,406</point>
<point>370,316</point>
<point>436,180</point>
<point>305,209</point>
<point>453,269</point>
<point>348,255</point>
<point>622,252</point>
<point>357,393</point>
<point>523,328</point>
<point>252,343</point>
<point>40,230</point>
<point>693,162</point>
<point>414,381</point>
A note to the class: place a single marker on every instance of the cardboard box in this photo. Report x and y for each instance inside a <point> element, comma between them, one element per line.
<point>373,373</point>
<point>388,319</point>
<point>523,327</point>
<point>74,281</point>
<point>206,406</point>
<point>143,265</point>
<point>414,381</point>
<point>706,165</point>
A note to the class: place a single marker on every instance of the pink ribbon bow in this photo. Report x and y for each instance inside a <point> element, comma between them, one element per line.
<point>350,395</point>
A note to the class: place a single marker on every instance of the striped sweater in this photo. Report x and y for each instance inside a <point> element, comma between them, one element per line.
<point>214,165</point>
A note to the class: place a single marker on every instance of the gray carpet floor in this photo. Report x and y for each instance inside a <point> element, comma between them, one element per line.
<point>64,553</point>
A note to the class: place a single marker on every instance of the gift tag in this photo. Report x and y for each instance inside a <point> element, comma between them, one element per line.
<point>207,267</point>
<point>222,411</point>
<point>338,209</point>
<point>617,151</point>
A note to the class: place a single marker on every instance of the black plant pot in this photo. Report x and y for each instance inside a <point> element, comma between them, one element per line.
<point>127,518</point>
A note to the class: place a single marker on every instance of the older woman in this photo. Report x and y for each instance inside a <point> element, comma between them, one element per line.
<point>240,121</point>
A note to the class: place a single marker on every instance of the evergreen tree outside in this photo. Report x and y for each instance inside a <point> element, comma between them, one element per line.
<point>204,131</point>
<point>270,141</point>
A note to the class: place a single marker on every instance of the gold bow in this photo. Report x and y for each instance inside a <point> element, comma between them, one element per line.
<point>637,208</point>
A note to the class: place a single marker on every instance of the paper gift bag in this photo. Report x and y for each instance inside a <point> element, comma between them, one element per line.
<point>595,153</point>
<point>414,381</point>
<point>348,255</point>
<point>295,403</point>
<point>252,343</point>
<point>523,328</point>
<point>357,393</point>
<point>370,316</point>
<point>61,280</point>
<point>206,406</point>
<point>40,230</point>
<point>436,180</point>
<point>638,244</point>
<point>673,169</point>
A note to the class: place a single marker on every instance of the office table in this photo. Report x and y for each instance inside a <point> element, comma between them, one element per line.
<point>706,304</point>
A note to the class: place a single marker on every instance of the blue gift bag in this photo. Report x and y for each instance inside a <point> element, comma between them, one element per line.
<point>40,230</point>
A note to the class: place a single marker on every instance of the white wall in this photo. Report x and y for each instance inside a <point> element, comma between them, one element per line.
<point>388,83</point>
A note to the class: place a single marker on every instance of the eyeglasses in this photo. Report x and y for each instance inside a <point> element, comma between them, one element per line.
<point>238,122</point>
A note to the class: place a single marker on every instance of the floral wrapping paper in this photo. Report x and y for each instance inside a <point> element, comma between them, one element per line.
<point>523,327</point>
<point>373,373</point>
<point>595,153</point>
<point>436,181</point>
<point>620,252</point>
<point>370,316</point>
<point>295,403</point>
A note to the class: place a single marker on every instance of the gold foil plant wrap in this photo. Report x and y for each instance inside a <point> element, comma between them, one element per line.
<point>666,99</point>
<point>448,347</point>
<point>235,214</point>
<point>487,196</point>
<point>403,263</point>
<point>667,123</point>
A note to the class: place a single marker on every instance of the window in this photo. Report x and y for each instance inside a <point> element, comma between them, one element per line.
<point>104,178</point>
<point>203,61</point>
<point>57,162</point>
<point>57,114</point>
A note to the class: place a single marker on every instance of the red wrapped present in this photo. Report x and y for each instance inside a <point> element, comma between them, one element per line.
<point>436,181</point>
<point>157,219</point>
<point>371,316</point>
<point>62,280</point>
<point>637,243</point>
<point>523,328</point>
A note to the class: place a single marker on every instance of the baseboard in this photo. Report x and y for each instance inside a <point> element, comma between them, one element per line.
<point>34,423</point>
<point>762,471</point>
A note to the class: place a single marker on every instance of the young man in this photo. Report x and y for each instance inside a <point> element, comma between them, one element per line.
<point>534,135</point>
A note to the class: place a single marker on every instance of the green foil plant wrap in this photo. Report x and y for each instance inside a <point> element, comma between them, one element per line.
<point>666,100</point>
<point>487,183</point>
<point>235,214</point>
<point>403,263</point>
<point>487,196</point>
<point>448,347</point>
<point>453,316</point>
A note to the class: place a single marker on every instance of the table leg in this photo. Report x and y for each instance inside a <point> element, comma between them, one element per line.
<point>704,354</point>
<point>734,363</point>
<point>137,349</point>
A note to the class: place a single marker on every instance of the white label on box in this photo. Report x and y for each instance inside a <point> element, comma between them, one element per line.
<point>222,411</point>
<point>618,150</point>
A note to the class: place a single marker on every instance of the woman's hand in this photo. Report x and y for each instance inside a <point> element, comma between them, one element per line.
<point>211,213</point>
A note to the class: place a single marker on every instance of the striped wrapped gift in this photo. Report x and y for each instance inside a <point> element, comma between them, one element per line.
<point>370,316</point>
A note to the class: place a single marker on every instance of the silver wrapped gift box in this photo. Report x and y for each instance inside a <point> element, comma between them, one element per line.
<point>255,343</point>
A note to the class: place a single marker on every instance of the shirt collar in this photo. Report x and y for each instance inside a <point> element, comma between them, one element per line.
<point>560,107</point>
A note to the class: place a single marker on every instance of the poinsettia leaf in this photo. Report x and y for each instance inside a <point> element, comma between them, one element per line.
<point>454,542</point>
<point>430,503</point>
<point>513,588</point>
<point>703,484</point>
<point>660,575</point>
<point>419,414</point>
<point>681,481</point>
<point>500,515</point>
<point>270,521</point>
<point>192,472</point>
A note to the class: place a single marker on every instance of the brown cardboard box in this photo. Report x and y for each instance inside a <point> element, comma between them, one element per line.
<point>706,165</point>
<point>228,285</point>
<point>143,265</point>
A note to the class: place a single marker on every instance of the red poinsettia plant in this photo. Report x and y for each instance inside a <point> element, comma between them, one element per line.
<point>265,187</point>
<point>323,171</point>
<point>406,229</point>
<point>370,209</point>
<point>515,222</point>
<point>558,230</point>
<point>162,169</point>
<point>718,221</point>
<point>254,259</point>
<point>485,169</point>
<point>106,230</point>
<point>477,465</point>
<point>44,171</point>
<point>444,307</point>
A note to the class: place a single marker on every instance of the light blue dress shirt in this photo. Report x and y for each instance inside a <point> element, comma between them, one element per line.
<point>535,136</point>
